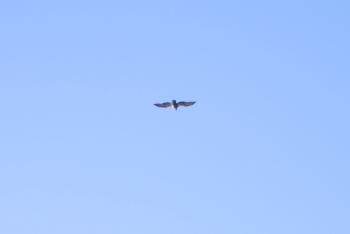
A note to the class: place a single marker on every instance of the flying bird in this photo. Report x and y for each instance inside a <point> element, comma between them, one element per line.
<point>174,104</point>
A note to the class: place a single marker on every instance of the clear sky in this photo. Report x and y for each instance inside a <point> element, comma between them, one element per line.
<point>264,151</point>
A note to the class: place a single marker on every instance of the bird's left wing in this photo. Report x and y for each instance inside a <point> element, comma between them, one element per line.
<point>163,105</point>
<point>186,103</point>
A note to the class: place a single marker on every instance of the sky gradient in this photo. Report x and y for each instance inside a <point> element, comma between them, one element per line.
<point>265,150</point>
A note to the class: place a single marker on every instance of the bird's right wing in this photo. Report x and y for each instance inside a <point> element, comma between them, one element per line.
<point>163,105</point>
<point>186,103</point>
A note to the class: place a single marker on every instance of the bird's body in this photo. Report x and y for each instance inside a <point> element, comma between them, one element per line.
<point>174,104</point>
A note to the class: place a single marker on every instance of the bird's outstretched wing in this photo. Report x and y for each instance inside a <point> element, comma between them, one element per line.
<point>163,105</point>
<point>186,103</point>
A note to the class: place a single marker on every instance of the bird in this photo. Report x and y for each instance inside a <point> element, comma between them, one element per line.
<point>174,104</point>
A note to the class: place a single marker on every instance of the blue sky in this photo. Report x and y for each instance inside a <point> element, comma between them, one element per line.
<point>265,149</point>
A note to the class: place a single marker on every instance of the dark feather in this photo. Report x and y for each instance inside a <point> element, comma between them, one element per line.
<point>163,105</point>
<point>186,103</point>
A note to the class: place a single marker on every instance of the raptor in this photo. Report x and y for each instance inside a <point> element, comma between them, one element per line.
<point>174,104</point>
